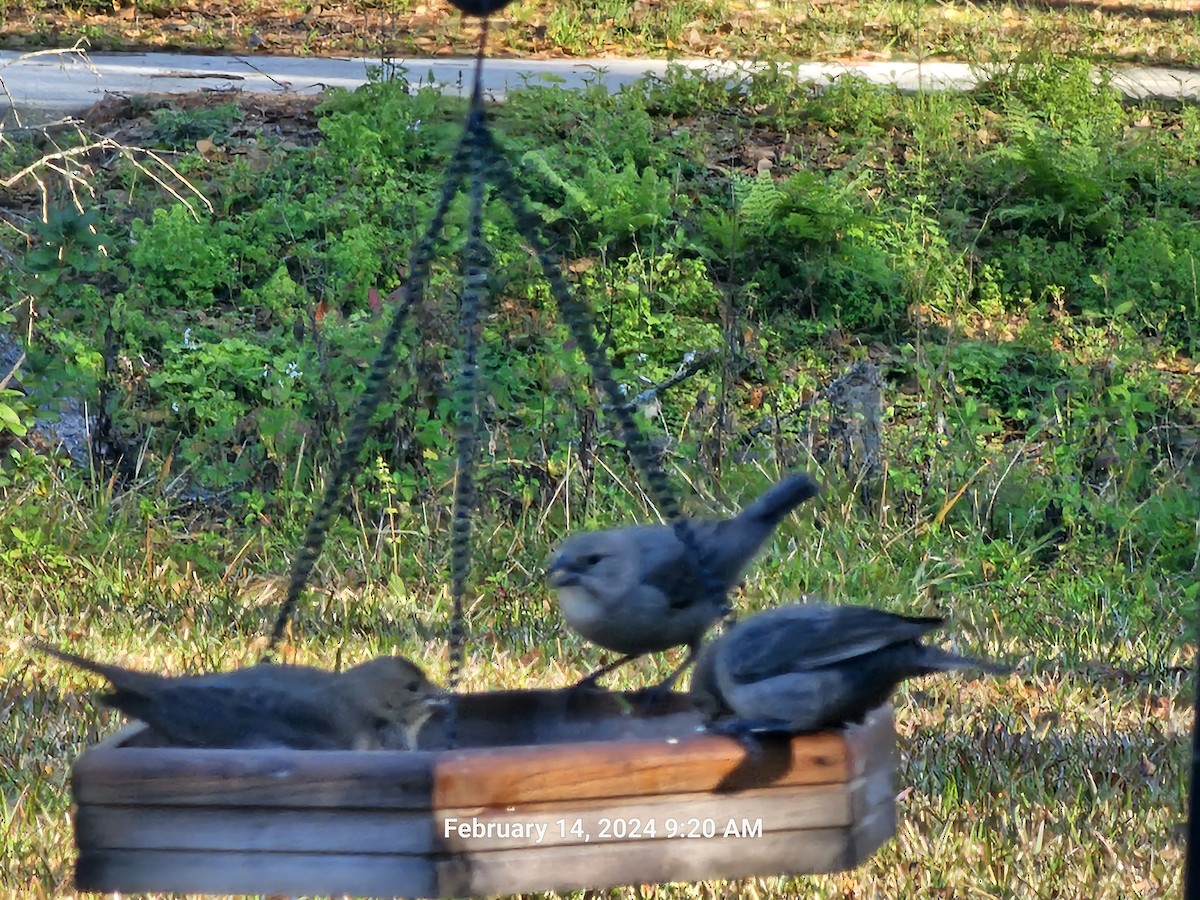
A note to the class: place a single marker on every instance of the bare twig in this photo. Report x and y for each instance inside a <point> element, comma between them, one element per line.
<point>273,80</point>
<point>693,362</point>
<point>79,50</point>
<point>60,162</point>
<point>12,372</point>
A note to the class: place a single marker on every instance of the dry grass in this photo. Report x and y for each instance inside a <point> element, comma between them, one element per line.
<point>1156,31</point>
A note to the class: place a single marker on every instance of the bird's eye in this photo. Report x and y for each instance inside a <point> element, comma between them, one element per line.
<point>413,685</point>
<point>592,558</point>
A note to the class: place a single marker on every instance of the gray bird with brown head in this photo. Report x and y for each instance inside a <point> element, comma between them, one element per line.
<point>638,590</point>
<point>270,705</point>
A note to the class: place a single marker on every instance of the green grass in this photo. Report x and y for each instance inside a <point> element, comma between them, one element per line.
<point>1066,779</point>
<point>1016,261</point>
<point>1152,31</point>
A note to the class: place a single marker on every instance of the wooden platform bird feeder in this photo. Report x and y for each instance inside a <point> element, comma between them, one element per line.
<point>548,790</point>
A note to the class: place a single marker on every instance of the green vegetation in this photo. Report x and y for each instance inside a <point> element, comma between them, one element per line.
<point>1019,262</point>
<point>1160,32</point>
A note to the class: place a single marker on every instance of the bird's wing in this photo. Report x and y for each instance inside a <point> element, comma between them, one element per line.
<point>803,638</point>
<point>221,714</point>
<point>665,565</point>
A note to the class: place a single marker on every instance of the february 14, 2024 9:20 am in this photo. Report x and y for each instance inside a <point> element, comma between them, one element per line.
<point>606,829</point>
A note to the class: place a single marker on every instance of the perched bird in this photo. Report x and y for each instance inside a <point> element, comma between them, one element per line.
<point>639,589</point>
<point>813,666</point>
<point>270,705</point>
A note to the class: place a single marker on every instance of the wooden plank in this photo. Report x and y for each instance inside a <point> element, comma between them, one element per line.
<point>530,718</point>
<point>293,874</point>
<point>179,776</point>
<point>131,735</point>
<point>645,862</point>
<point>506,871</point>
<point>478,829</point>
<point>539,717</point>
<point>348,831</point>
<point>503,777</point>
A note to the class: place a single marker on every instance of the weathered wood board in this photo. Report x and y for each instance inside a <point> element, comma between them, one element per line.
<point>548,790</point>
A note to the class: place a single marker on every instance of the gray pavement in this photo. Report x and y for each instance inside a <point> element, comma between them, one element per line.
<point>56,83</point>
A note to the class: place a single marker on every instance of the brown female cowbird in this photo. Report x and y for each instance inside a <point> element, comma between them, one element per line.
<point>638,590</point>
<point>270,705</point>
<point>813,666</point>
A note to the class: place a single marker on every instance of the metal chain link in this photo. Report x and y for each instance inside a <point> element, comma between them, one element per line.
<point>476,158</point>
<point>414,288</point>
<point>474,296</point>
<point>580,320</point>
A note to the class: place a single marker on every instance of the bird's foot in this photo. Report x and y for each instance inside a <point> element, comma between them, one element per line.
<point>752,733</point>
<point>657,695</point>
<point>590,683</point>
<point>654,696</point>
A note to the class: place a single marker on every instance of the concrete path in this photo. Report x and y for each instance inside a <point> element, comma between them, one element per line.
<point>55,83</point>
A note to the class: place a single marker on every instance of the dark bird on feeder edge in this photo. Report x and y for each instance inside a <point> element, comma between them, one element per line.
<point>813,666</point>
<point>637,589</point>
<point>269,705</point>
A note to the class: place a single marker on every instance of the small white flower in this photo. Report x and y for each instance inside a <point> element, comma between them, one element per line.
<point>266,371</point>
<point>189,343</point>
<point>175,406</point>
<point>293,371</point>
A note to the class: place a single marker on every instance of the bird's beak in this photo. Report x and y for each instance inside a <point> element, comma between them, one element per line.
<point>560,574</point>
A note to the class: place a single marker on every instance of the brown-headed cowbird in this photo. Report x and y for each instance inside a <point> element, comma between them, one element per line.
<point>637,589</point>
<point>813,666</point>
<point>269,705</point>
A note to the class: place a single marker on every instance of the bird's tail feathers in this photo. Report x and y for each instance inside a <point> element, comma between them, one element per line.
<point>939,660</point>
<point>780,499</point>
<point>66,656</point>
<point>125,679</point>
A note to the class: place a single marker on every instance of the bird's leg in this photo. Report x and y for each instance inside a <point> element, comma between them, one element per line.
<point>657,693</point>
<point>589,682</point>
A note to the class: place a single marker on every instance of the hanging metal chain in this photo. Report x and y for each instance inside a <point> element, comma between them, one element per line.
<point>579,320</point>
<point>476,158</point>
<point>414,288</point>
<point>474,296</point>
